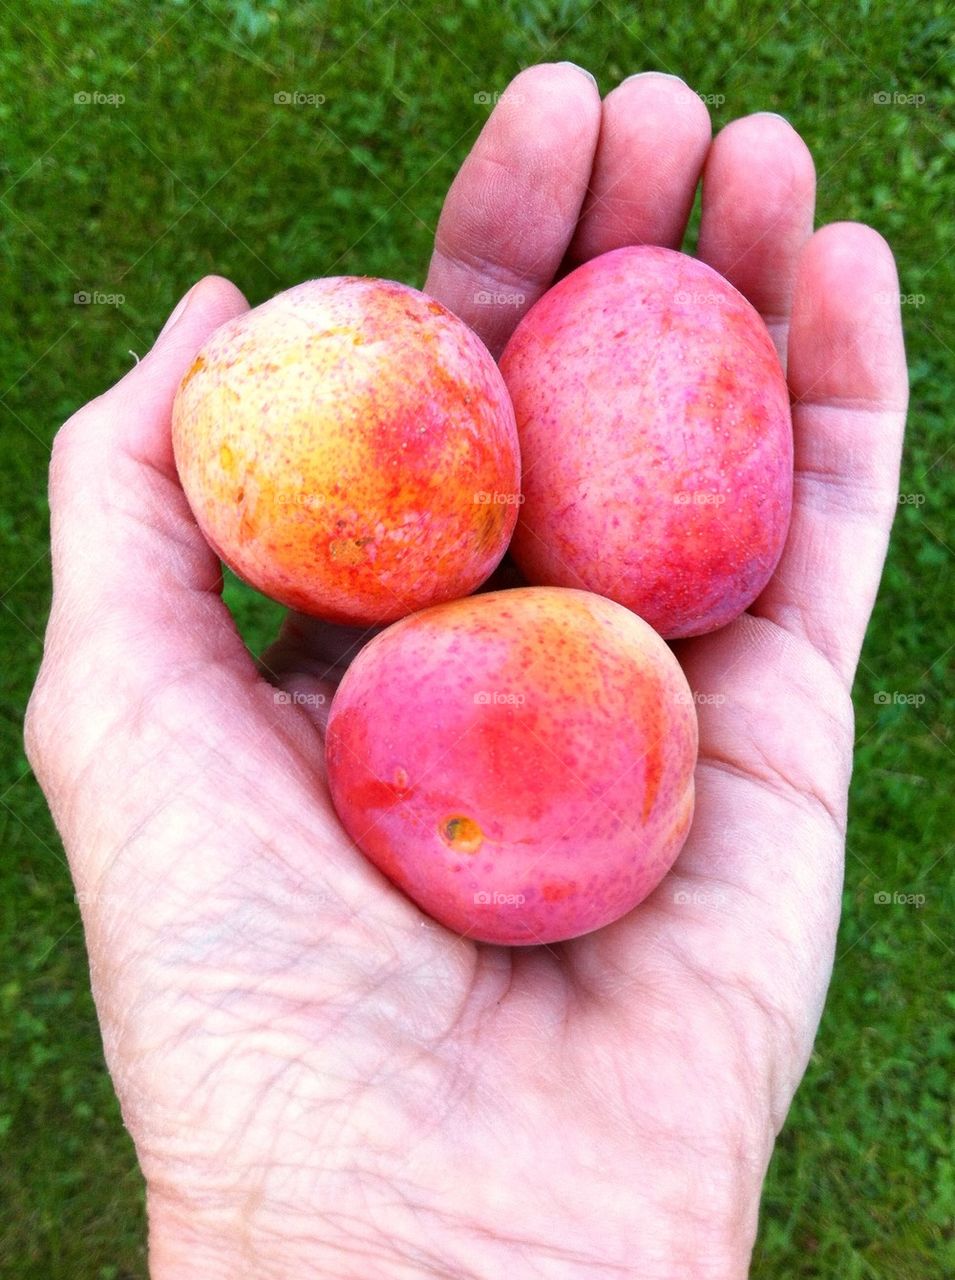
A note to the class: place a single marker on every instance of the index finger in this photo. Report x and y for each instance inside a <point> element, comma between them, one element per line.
<point>512,209</point>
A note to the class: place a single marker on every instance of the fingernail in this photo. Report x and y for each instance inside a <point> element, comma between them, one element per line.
<point>177,313</point>
<point>775,116</point>
<point>583,71</point>
<point>660,75</point>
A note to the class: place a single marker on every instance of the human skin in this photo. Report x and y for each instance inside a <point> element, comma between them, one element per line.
<point>349,448</point>
<point>318,1080</point>
<point>655,437</point>
<point>520,762</point>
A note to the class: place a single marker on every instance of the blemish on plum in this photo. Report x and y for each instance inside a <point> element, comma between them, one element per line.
<point>490,521</point>
<point>557,892</point>
<point>196,367</point>
<point>462,834</point>
<point>348,550</point>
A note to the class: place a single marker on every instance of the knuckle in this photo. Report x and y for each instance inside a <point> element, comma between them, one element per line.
<point>65,441</point>
<point>61,457</point>
<point>78,429</point>
<point>38,722</point>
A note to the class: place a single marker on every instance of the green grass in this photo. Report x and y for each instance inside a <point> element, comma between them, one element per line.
<point>199,170</point>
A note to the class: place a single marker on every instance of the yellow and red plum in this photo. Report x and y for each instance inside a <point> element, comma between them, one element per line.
<point>656,439</point>
<point>520,763</point>
<point>349,449</point>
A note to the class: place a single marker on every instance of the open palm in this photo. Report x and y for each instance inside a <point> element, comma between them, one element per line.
<point>318,1079</point>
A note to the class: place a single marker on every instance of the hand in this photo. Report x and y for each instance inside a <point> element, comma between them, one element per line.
<point>318,1079</point>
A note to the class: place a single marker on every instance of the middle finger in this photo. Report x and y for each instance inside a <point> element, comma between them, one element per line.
<point>654,136</point>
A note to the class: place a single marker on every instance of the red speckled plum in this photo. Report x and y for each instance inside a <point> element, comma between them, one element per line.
<point>520,763</point>
<point>656,440</point>
<point>349,449</point>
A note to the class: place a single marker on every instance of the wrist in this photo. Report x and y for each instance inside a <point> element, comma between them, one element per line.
<point>705,1232</point>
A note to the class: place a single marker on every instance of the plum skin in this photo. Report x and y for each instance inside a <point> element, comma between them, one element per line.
<point>349,449</point>
<point>520,763</point>
<point>656,439</point>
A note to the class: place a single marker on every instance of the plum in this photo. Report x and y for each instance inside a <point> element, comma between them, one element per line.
<point>656,440</point>
<point>520,762</point>
<point>349,449</point>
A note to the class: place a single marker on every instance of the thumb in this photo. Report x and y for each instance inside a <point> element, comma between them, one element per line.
<point>136,589</point>
<point>118,515</point>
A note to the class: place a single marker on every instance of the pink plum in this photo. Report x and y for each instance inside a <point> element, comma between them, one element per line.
<point>349,449</point>
<point>520,763</point>
<point>656,440</point>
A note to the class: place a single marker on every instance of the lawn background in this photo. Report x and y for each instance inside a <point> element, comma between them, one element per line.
<point>200,170</point>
